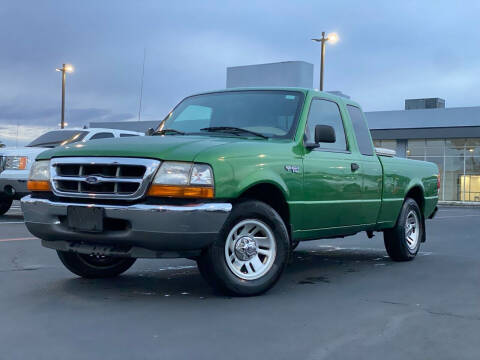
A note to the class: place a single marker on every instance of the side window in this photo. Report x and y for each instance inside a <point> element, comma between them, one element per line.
<point>325,112</point>
<point>103,135</point>
<point>361,131</point>
<point>127,135</point>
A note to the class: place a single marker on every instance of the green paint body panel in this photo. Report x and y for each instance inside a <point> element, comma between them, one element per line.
<point>325,198</point>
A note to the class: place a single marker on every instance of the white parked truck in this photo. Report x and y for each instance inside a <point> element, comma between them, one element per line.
<point>15,162</point>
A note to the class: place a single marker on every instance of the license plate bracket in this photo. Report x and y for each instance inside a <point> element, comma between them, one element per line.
<point>86,219</point>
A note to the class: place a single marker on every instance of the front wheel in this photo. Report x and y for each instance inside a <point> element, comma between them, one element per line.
<point>250,252</point>
<point>94,266</point>
<point>403,241</point>
<point>5,204</point>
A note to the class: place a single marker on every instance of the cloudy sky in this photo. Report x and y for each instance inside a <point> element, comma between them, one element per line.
<point>389,51</point>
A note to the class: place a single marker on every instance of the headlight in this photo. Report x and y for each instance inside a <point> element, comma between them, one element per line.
<point>201,175</point>
<point>39,178</point>
<point>16,163</point>
<point>182,179</point>
<point>173,173</point>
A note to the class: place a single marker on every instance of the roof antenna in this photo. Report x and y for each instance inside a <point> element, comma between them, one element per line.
<point>141,84</point>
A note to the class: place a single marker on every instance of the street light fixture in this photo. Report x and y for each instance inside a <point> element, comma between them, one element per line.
<point>332,38</point>
<point>66,68</point>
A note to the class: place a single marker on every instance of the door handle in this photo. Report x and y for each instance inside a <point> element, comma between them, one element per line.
<point>354,167</point>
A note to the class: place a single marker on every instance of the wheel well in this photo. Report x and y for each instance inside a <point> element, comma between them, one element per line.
<point>271,195</point>
<point>416,194</point>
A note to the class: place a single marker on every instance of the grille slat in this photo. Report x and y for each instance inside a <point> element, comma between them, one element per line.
<point>100,178</point>
<point>106,178</point>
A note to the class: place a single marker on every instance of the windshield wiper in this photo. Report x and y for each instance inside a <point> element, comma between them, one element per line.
<point>233,130</point>
<point>168,131</point>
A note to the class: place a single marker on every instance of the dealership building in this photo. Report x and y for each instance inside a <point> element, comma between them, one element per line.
<point>424,130</point>
<point>449,137</point>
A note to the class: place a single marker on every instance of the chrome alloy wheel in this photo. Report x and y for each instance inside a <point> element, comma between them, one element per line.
<point>250,249</point>
<point>412,230</point>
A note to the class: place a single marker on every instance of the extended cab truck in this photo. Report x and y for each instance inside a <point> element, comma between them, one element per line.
<point>234,179</point>
<point>15,162</point>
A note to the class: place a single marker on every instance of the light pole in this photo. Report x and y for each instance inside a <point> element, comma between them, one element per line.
<point>333,38</point>
<point>66,68</point>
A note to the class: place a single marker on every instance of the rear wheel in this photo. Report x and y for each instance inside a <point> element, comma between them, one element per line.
<point>5,204</point>
<point>250,253</point>
<point>403,241</point>
<point>94,266</point>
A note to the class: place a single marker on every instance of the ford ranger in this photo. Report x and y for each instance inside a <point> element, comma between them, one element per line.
<point>233,179</point>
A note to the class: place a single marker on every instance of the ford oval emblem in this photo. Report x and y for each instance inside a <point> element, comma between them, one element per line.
<point>92,180</point>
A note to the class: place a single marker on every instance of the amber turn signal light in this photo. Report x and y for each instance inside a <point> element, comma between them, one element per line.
<point>22,163</point>
<point>181,191</point>
<point>38,185</point>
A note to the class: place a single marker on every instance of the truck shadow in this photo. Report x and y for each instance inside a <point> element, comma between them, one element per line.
<point>11,217</point>
<point>311,266</point>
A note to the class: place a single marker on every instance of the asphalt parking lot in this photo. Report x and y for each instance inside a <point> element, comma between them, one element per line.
<point>339,299</point>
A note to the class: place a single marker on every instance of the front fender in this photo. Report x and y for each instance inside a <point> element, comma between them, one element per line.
<point>262,177</point>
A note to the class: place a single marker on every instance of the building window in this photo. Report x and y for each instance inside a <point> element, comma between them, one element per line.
<point>458,161</point>
<point>386,144</point>
<point>470,187</point>
<point>434,147</point>
<point>470,184</point>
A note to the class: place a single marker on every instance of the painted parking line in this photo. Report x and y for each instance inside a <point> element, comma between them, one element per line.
<point>455,216</point>
<point>18,239</point>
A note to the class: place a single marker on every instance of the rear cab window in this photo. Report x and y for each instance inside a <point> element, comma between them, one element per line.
<point>362,133</point>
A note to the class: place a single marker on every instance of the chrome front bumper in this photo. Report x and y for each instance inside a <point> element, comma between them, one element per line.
<point>152,229</point>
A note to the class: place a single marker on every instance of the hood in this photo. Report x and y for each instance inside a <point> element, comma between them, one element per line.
<point>169,147</point>
<point>31,152</point>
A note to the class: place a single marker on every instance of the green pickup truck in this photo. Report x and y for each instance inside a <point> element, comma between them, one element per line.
<point>234,179</point>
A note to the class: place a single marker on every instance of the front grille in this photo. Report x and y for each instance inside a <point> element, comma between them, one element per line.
<point>102,178</point>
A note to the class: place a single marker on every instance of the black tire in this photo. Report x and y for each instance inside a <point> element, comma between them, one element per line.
<point>213,264</point>
<point>395,239</point>
<point>5,204</point>
<point>93,267</point>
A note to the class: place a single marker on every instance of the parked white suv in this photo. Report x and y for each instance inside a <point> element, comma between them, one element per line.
<point>15,162</point>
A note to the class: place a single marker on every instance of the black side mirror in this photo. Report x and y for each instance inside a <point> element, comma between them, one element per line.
<point>323,134</point>
<point>149,132</point>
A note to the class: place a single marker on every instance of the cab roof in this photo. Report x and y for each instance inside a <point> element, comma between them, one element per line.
<point>306,91</point>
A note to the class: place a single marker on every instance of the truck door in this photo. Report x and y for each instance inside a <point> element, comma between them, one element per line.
<point>332,191</point>
<point>369,167</point>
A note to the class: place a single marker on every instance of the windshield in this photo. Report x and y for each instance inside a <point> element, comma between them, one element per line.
<point>58,137</point>
<point>271,113</point>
